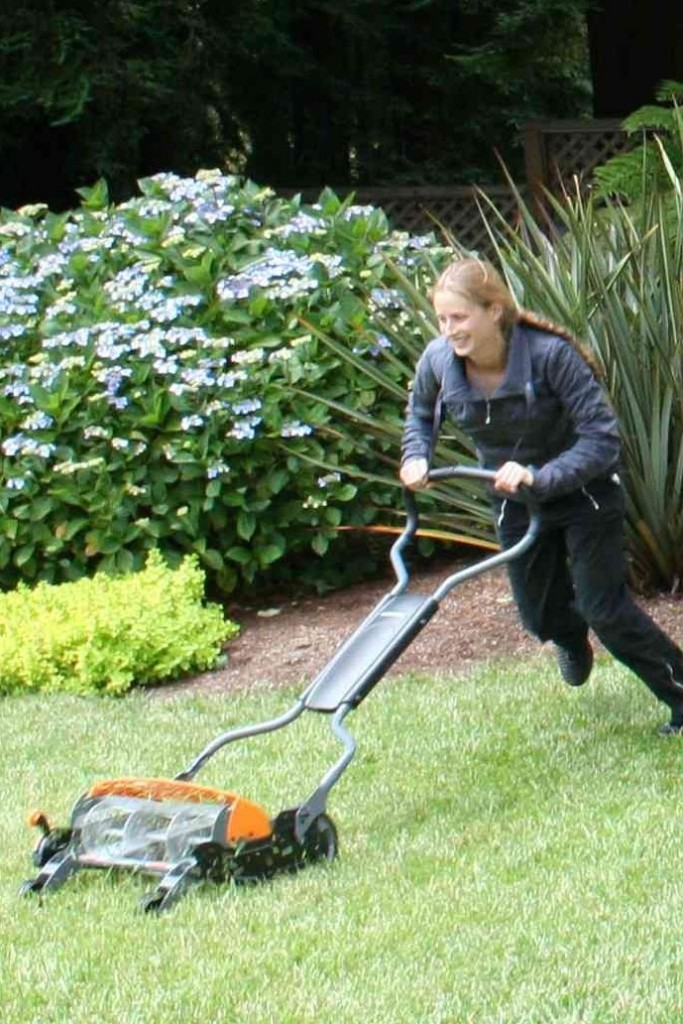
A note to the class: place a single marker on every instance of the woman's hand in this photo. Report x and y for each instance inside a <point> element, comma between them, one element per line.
<point>511,476</point>
<point>414,474</point>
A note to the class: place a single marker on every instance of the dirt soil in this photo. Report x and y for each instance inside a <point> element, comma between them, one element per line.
<point>290,641</point>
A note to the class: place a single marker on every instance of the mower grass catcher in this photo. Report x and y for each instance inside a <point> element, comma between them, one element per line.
<point>181,833</point>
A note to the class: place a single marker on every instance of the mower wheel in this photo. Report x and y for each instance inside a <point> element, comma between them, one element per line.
<point>50,845</point>
<point>321,842</point>
<point>151,902</point>
<point>29,886</point>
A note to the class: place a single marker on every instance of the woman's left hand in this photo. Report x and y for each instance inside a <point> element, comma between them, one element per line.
<point>511,476</point>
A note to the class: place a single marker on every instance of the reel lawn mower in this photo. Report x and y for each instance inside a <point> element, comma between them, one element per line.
<point>182,833</point>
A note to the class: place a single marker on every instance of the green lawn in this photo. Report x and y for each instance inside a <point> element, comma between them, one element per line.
<point>511,851</point>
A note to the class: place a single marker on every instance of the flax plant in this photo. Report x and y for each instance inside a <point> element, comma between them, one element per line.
<point>613,273</point>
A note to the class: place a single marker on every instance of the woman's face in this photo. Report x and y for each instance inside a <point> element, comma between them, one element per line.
<point>473,330</point>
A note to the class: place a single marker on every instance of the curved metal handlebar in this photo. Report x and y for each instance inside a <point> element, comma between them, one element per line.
<point>412,520</point>
<point>464,472</point>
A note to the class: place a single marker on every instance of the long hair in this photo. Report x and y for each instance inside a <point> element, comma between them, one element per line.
<point>540,323</point>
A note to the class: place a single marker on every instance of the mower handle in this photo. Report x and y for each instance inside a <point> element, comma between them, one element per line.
<point>466,472</point>
<point>412,519</point>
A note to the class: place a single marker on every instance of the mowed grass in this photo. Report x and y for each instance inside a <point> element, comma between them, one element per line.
<point>511,851</point>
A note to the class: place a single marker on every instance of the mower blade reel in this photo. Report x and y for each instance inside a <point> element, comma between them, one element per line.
<point>176,831</point>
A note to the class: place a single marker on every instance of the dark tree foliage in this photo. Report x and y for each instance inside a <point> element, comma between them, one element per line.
<point>407,91</point>
<point>115,88</point>
<point>292,92</point>
<point>633,48</point>
<point>516,61</point>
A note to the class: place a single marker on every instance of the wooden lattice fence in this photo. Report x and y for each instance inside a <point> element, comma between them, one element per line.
<point>454,210</point>
<point>556,154</point>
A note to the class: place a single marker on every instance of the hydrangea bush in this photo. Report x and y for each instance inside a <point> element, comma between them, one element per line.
<point>158,387</point>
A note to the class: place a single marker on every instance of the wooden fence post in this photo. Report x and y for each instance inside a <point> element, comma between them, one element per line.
<point>536,166</point>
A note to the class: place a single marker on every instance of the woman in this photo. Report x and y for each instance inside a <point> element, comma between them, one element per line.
<point>531,403</point>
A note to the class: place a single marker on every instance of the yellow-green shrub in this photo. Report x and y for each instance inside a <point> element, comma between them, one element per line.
<point>109,633</point>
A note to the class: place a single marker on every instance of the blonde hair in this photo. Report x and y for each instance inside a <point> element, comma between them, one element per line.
<point>480,283</point>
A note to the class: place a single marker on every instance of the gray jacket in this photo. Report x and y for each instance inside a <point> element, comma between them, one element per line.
<point>549,413</point>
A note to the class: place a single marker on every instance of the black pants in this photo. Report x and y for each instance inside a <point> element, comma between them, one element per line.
<point>574,577</point>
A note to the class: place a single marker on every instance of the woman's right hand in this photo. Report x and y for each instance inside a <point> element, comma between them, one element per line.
<point>415,474</point>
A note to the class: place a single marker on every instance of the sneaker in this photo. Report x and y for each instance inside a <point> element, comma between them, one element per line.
<point>675,726</point>
<point>575,663</point>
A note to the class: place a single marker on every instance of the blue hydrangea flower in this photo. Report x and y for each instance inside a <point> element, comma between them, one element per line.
<point>295,429</point>
<point>190,422</point>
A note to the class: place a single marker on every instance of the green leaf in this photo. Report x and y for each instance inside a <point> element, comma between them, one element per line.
<point>23,554</point>
<point>231,315</point>
<point>213,559</point>
<point>125,561</point>
<point>9,527</point>
<point>277,479</point>
<point>269,553</point>
<point>246,525</point>
<point>95,197</point>
<point>41,507</point>
<point>67,530</point>
<point>346,492</point>
<point>320,543</point>
<point>238,554</point>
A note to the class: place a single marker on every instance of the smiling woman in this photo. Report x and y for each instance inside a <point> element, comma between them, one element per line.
<point>474,331</point>
<point>540,420</point>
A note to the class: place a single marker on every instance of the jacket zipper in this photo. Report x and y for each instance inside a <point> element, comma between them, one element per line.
<point>488,412</point>
<point>590,497</point>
